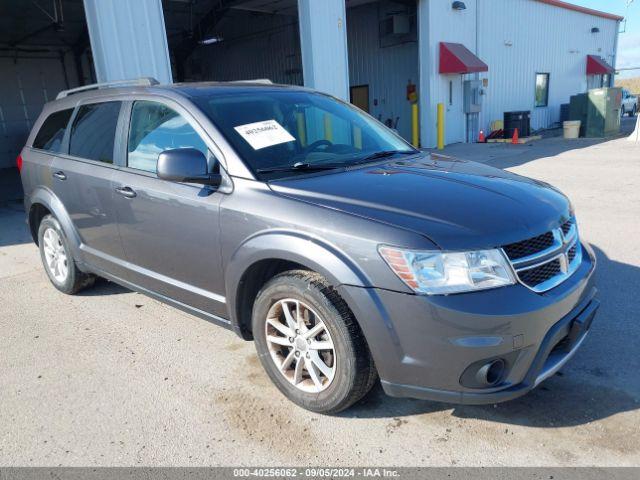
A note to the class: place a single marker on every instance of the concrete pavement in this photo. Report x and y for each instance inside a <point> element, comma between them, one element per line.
<point>111,377</point>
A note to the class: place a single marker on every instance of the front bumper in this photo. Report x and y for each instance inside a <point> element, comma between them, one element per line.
<point>422,345</point>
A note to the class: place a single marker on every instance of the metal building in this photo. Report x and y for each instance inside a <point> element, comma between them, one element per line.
<point>479,58</point>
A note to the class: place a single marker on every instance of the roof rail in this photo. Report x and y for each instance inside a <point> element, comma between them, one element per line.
<point>143,82</point>
<point>264,81</point>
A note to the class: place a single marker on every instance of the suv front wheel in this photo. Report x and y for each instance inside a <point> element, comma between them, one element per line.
<point>309,343</point>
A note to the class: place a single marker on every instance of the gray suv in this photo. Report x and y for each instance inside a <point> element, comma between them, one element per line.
<point>301,223</point>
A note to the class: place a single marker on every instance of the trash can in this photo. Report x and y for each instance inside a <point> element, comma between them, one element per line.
<point>571,128</point>
<point>520,120</point>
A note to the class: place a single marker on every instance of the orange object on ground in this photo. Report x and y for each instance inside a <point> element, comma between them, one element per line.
<point>481,138</point>
<point>516,137</point>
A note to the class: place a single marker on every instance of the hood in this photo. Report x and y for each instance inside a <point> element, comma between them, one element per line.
<point>457,204</point>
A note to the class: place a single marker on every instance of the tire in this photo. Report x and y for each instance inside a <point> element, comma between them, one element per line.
<point>633,112</point>
<point>352,369</point>
<point>57,259</point>
<point>623,111</point>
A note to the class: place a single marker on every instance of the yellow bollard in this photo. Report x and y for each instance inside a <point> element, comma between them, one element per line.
<point>302,131</point>
<point>357,137</point>
<point>328,130</point>
<point>415,126</point>
<point>440,126</point>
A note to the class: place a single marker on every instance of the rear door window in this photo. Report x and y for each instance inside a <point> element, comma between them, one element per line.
<point>94,130</point>
<point>51,132</point>
<point>155,128</point>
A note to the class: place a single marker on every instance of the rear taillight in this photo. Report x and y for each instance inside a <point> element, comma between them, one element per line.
<point>19,163</point>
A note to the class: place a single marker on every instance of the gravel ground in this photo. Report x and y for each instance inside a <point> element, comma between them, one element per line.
<point>111,377</point>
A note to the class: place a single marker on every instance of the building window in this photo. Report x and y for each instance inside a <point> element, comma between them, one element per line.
<point>542,89</point>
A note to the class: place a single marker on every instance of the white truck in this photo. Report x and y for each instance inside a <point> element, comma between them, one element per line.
<point>629,103</point>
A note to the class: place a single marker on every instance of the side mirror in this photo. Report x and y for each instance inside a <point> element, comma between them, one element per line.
<point>186,165</point>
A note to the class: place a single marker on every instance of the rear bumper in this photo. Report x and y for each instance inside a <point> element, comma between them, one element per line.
<point>425,346</point>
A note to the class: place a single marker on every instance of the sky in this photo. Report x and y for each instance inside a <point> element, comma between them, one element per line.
<point>629,41</point>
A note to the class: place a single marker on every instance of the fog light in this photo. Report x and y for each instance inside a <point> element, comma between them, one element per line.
<point>490,373</point>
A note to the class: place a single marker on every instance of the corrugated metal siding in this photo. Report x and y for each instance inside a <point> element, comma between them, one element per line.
<point>254,46</point>
<point>386,70</point>
<point>26,85</point>
<point>128,39</point>
<point>544,39</point>
<point>268,46</point>
<point>323,43</point>
<point>446,25</point>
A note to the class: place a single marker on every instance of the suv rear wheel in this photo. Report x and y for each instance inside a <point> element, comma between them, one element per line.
<point>57,259</point>
<point>310,344</point>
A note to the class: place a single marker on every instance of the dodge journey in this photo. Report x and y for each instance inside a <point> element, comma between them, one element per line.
<point>300,222</point>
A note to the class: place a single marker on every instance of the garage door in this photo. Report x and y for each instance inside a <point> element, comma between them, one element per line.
<point>26,85</point>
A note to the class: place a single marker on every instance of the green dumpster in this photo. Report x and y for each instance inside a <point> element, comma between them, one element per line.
<point>598,110</point>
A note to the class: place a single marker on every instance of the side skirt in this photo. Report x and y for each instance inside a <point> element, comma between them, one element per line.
<point>223,322</point>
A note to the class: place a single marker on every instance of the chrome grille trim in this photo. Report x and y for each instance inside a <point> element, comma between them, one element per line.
<point>558,252</point>
<point>557,245</point>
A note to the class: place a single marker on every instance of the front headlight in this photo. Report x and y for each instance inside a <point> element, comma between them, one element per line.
<point>438,273</point>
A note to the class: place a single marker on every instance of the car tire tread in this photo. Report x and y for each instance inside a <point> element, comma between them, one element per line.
<point>76,280</point>
<point>363,376</point>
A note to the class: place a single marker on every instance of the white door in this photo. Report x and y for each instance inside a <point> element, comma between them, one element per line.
<point>454,114</point>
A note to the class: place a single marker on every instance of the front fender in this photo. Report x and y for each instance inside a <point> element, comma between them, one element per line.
<point>309,251</point>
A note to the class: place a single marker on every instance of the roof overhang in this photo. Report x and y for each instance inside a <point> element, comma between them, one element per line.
<point>456,58</point>
<point>578,8</point>
<point>597,66</point>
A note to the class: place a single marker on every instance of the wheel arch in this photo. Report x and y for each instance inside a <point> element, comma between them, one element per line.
<point>265,255</point>
<point>44,202</point>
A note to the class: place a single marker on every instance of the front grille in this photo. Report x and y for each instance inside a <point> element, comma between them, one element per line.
<point>545,261</point>
<point>537,275</point>
<point>528,247</point>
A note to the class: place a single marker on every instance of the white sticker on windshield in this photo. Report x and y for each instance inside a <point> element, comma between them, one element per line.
<point>264,134</point>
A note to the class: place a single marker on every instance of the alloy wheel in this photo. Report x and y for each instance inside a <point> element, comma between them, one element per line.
<point>55,255</point>
<point>300,345</point>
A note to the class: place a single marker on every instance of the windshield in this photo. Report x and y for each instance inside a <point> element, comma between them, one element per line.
<point>280,133</point>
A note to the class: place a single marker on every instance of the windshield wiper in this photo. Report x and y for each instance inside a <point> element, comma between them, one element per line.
<point>300,166</point>
<point>385,154</point>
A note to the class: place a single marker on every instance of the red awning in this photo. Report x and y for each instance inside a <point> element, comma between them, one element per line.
<point>597,66</point>
<point>456,58</point>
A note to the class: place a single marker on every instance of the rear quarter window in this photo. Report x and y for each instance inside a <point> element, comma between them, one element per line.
<point>51,133</point>
<point>94,130</point>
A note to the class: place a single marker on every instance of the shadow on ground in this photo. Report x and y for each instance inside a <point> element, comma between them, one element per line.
<point>13,229</point>
<point>103,287</point>
<point>594,386</point>
<point>505,155</point>
<point>10,185</point>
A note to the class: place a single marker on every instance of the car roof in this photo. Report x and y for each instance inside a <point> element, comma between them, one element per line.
<point>197,89</point>
<point>71,98</point>
<point>101,92</point>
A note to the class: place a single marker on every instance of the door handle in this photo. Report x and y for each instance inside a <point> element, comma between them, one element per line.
<point>60,175</point>
<point>126,192</point>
